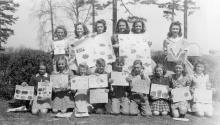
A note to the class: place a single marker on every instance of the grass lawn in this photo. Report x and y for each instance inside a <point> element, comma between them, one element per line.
<point>26,118</point>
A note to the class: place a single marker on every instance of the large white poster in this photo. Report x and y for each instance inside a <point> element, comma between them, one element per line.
<point>135,47</point>
<point>93,48</point>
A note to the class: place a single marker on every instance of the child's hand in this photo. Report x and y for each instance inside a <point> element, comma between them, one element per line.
<point>110,81</point>
<point>107,90</point>
<point>24,84</point>
<point>128,79</point>
<point>115,46</point>
<point>149,43</point>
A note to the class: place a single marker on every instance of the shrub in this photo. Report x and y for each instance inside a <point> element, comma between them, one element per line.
<point>20,66</point>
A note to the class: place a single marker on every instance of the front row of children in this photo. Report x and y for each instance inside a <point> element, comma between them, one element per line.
<point>121,99</point>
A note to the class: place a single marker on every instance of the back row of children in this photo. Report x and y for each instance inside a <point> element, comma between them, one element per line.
<point>121,99</point>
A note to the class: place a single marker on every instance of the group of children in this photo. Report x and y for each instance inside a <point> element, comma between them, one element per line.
<point>121,99</point>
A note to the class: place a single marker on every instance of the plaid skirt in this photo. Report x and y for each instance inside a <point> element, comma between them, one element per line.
<point>160,105</point>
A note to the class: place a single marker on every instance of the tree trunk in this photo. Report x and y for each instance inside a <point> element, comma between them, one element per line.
<point>51,19</point>
<point>114,15</point>
<point>93,16</point>
<point>185,18</point>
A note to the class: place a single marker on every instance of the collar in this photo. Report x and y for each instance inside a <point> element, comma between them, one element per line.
<point>45,75</point>
<point>199,75</point>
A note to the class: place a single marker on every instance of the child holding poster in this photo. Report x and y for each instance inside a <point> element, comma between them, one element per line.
<point>138,100</point>
<point>201,81</point>
<point>62,96</point>
<point>58,47</point>
<point>44,104</point>
<point>160,105</point>
<point>119,94</point>
<point>81,95</point>
<point>81,32</point>
<point>100,69</point>
<point>179,80</point>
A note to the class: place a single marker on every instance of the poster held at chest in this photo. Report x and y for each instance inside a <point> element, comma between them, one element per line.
<point>24,93</point>
<point>59,47</point>
<point>135,47</point>
<point>44,90</point>
<point>119,78</point>
<point>203,96</point>
<point>59,80</point>
<point>159,91</point>
<point>140,86</point>
<point>98,81</point>
<point>79,82</point>
<point>98,96</point>
<point>181,94</point>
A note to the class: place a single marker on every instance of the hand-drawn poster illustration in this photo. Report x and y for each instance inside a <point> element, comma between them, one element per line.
<point>98,81</point>
<point>133,47</point>
<point>59,80</point>
<point>79,82</point>
<point>140,86</point>
<point>44,90</point>
<point>119,78</point>
<point>24,93</point>
<point>98,96</point>
<point>203,96</point>
<point>181,94</point>
<point>159,91</point>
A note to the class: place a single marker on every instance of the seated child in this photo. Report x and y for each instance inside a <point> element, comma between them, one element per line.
<point>62,96</point>
<point>44,104</point>
<point>159,105</point>
<point>138,100</point>
<point>201,81</point>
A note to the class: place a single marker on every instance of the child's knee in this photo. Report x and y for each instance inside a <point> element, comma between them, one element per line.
<point>156,113</point>
<point>34,111</point>
<point>44,111</point>
<point>200,113</point>
<point>175,113</point>
<point>208,114</point>
<point>63,110</point>
<point>164,113</point>
<point>115,106</point>
<point>55,110</point>
<point>134,108</point>
<point>182,110</point>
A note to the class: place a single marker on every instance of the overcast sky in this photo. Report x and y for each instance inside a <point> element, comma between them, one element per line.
<point>203,25</point>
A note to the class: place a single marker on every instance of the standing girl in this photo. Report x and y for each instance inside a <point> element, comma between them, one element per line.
<point>138,100</point>
<point>201,81</point>
<point>63,98</point>
<point>159,105</point>
<point>175,48</point>
<point>178,80</point>
<point>44,104</point>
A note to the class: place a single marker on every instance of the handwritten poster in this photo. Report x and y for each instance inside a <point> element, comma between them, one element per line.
<point>44,90</point>
<point>135,47</point>
<point>24,93</point>
<point>59,80</point>
<point>202,95</point>
<point>140,86</point>
<point>181,94</point>
<point>59,47</point>
<point>93,48</point>
<point>98,81</point>
<point>98,96</point>
<point>79,82</point>
<point>159,91</point>
<point>119,78</point>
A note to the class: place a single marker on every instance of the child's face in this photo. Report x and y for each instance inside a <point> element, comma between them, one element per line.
<point>100,28</point>
<point>79,30</point>
<point>175,30</point>
<point>42,70</point>
<point>61,65</point>
<point>137,68</point>
<point>60,34</point>
<point>178,69</point>
<point>119,65</point>
<point>159,71</point>
<point>138,27</point>
<point>122,26</point>
<point>100,68</point>
<point>199,68</point>
<point>82,71</point>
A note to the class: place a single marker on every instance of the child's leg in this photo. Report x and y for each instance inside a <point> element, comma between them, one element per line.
<point>134,108</point>
<point>208,110</point>
<point>43,111</point>
<point>115,106</point>
<point>81,101</point>
<point>63,110</point>
<point>164,113</point>
<point>34,111</point>
<point>156,113</point>
<point>198,109</point>
<point>145,108</point>
<point>125,105</point>
<point>55,110</point>
<point>175,113</point>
